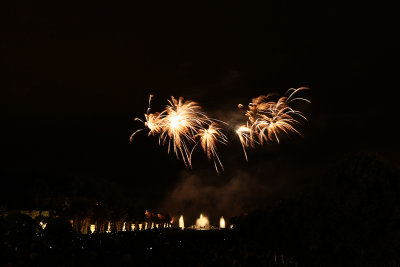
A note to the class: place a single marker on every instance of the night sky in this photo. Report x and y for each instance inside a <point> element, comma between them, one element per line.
<point>76,75</point>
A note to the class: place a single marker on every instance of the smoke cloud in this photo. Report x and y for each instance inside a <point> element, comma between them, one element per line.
<point>216,196</point>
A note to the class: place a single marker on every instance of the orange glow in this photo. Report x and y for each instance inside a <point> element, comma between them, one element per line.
<point>180,124</point>
<point>268,119</point>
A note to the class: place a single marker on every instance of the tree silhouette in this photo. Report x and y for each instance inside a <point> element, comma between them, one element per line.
<point>350,217</point>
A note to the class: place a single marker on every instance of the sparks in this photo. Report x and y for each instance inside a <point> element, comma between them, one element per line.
<point>208,139</point>
<point>267,119</point>
<point>181,121</point>
<point>244,134</point>
<point>183,125</point>
<point>180,125</point>
<point>152,122</point>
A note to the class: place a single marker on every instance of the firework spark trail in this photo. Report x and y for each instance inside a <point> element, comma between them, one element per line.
<point>183,125</point>
<point>268,119</point>
<point>152,121</point>
<point>181,121</point>
<point>208,139</point>
<point>243,133</point>
<point>179,125</point>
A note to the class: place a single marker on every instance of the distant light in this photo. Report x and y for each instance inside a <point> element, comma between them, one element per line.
<point>43,225</point>
<point>222,222</point>
<point>92,228</point>
<point>181,222</point>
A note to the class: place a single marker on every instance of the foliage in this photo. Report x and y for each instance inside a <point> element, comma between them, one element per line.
<point>350,217</point>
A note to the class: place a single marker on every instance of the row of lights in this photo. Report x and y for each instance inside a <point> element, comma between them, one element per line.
<point>134,227</point>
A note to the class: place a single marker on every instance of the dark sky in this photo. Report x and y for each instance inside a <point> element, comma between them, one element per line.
<point>76,75</point>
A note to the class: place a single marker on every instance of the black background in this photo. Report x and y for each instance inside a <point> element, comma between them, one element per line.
<point>75,75</point>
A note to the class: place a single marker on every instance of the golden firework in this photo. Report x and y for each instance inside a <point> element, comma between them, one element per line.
<point>208,139</point>
<point>244,134</point>
<point>268,119</point>
<point>180,124</point>
<point>152,122</point>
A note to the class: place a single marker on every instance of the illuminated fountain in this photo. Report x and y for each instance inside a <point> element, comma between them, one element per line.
<point>222,223</point>
<point>202,223</point>
<point>181,223</point>
<point>145,226</point>
<point>133,227</point>
<point>92,228</point>
<point>109,228</point>
<point>124,227</point>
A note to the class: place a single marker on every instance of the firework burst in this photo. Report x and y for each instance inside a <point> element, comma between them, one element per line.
<point>152,122</point>
<point>268,119</point>
<point>181,121</point>
<point>208,139</point>
<point>180,124</point>
<point>184,126</point>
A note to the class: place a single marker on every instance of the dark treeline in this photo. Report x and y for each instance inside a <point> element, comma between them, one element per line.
<point>79,201</point>
<point>40,190</point>
<point>351,217</point>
